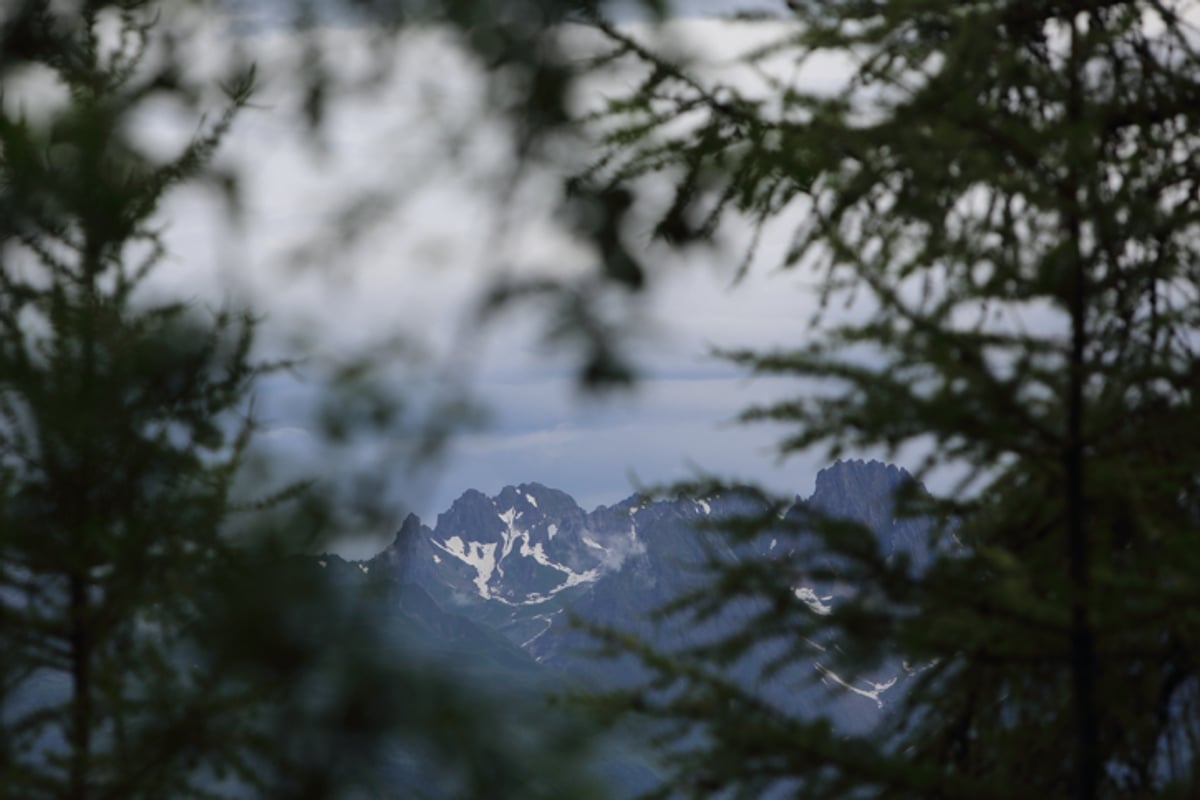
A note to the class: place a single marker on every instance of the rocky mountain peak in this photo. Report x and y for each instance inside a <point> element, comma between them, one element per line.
<point>404,557</point>
<point>859,490</point>
<point>468,501</point>
<point>864,491</point>
<point>410,529</point>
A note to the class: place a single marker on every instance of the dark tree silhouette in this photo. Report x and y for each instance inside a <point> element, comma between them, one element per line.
<point>999,208</point>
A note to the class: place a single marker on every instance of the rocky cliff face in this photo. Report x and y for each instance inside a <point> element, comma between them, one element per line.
<point>859,490</point>
<point>864,491</point>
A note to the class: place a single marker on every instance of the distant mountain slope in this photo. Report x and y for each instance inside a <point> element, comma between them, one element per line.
<point>519,564</point>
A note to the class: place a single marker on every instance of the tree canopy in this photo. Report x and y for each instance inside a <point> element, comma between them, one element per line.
<point>999,205</point>
<point>159,636</point>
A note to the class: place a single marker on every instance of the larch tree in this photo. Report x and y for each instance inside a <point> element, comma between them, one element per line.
<point>120,436</point>
<point>999,206</point>
<point>157,638</point>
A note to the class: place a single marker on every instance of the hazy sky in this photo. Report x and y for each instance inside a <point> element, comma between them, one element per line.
<point>423,138</point>
<point>419,269</point>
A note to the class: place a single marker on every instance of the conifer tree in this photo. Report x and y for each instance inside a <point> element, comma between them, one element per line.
<point>120,431</point>
<point>155,639</point>
<point>1000,208</point>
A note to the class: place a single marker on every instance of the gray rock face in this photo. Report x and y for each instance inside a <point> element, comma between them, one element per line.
<point>859,490</point>
<point>864,491</point>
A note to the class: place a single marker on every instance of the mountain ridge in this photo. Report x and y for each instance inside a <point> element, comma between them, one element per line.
<point>491,588</point>
<point>522,561</point>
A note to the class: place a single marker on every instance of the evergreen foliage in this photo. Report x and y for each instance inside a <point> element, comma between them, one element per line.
<point>121,435</point>
<point>155,641</point>
<point>1000,208</point>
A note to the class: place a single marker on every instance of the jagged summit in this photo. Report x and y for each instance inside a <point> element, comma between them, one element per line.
<point>858,490</point>
<point>856,473</point>
<point>409,529</point>
<point>407,541</point>
<point>864,491</point>
<point>529,543</point>
<point>521,547</point>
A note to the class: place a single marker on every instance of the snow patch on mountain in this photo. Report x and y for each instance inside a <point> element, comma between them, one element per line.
<point>510,536</point>
<point>818,605</point>
<point>573,578</point>
<point>518,539</point>
<point>873,693</point>
<point>476,554</point>
<point>548,619</point>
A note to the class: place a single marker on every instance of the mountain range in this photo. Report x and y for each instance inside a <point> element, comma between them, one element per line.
<point>492,593</point>
<point>501,578</point>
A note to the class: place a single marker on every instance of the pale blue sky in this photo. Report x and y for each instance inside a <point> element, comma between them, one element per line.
<point>418,271</point>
